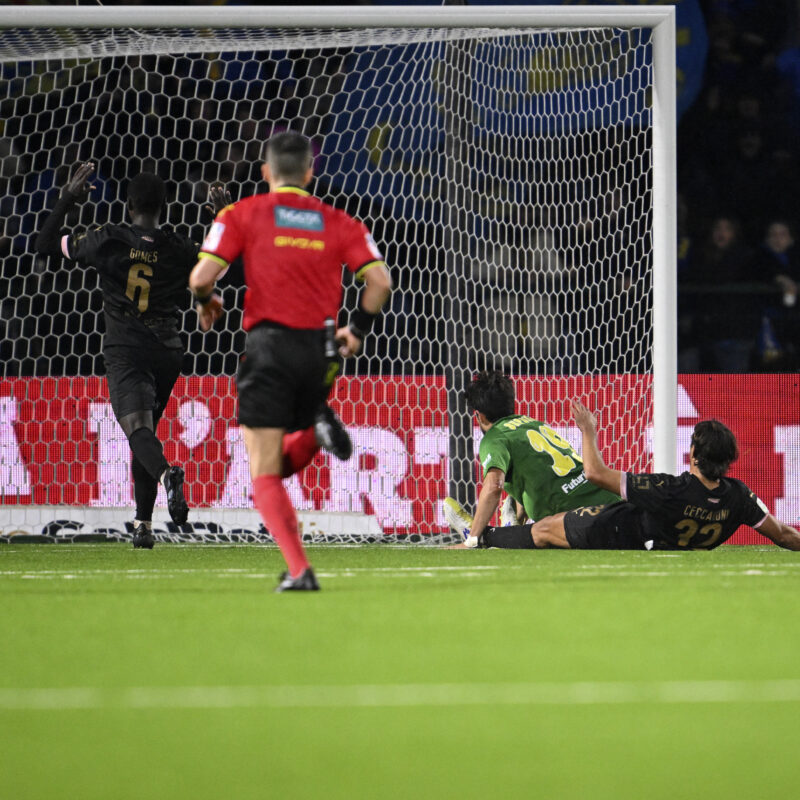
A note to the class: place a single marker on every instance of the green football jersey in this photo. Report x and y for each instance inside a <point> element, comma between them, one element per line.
<point>543,472</point>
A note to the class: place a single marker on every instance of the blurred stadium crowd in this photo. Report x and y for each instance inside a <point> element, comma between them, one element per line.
<point>738,169</point>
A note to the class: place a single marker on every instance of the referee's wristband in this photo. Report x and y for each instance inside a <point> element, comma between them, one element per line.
<point>361,323</point>
<point>203,299</point>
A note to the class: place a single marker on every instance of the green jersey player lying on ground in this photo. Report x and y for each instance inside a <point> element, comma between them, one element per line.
<point>698,510</point>
<point>536,467</point>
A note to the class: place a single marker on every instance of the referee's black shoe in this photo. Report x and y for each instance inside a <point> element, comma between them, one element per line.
<point>331,433</point>
<point>143,537</point>
<point>176,502</point>
<point>306,581</point>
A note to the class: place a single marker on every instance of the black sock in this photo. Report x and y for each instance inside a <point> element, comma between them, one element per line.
<point>145,489</point>
<point>149,452</point>
<point>510,537</point>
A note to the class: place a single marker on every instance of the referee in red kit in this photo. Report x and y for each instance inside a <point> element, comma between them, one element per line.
<point>293,246</point>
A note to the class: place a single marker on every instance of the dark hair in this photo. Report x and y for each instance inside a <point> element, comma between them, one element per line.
<point>715,448</point>
<point>491,393</point>
<point>289,156</point>
<point>147,193</point>
<point>780,221</point>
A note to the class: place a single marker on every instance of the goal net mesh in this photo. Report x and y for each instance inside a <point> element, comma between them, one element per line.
<point>505,174</point>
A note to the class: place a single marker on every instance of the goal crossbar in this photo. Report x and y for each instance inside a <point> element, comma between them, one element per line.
<point>337,16</point>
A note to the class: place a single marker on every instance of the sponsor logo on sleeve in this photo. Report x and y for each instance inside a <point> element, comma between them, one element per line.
<point>213,238</point>
<point>373,248</point>
<point>286,217</point>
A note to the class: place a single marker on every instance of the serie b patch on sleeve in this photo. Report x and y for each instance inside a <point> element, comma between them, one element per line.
<point>213,237</point>
<point>373,248</point>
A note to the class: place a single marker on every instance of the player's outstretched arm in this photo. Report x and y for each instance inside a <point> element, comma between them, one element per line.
<point>488,500</point>
<point>781,534</point>
<point>594,467</point>
<point>376,291</point>
<point>48,240</point>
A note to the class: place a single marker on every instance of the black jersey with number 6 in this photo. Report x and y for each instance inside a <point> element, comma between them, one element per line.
<point>679,512</point>
<point>143,278</point>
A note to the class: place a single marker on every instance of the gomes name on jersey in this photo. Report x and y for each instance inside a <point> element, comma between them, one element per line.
<point>148,256</point>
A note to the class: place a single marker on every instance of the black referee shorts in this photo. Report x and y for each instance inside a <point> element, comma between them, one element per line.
<point>141,378</point>
<point>611,527</point>
<point>283,377</point>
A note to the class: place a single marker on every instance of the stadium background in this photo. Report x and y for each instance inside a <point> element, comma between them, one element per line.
<point>738,161</point>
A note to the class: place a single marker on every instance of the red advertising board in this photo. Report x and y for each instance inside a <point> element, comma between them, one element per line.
<point>60,445</point>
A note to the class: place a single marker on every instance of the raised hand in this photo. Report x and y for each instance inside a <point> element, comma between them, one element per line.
<point>218,198</point>
<point>79,185</point>
<point>584,418</point>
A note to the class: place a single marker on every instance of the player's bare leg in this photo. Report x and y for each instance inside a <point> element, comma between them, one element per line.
<point>550,532</point>
<point>265,449</point>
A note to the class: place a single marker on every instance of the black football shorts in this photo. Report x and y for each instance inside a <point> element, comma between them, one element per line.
<point>141,378</point>
<point>283,377</point>
<point>610,527</point>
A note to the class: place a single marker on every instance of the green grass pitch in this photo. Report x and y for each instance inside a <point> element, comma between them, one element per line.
<point>415,673</point>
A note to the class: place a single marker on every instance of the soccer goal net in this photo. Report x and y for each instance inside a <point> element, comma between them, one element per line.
<point>516,170</point>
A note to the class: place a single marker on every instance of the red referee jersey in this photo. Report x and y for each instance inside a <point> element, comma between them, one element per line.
<point>294,246</point>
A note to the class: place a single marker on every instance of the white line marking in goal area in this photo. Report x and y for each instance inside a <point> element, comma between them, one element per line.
<point>604,571</point>
<point>233,573</point>
<point>401,695</point>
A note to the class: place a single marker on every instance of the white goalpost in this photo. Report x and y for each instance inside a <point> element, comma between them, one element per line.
<point>515,164</point>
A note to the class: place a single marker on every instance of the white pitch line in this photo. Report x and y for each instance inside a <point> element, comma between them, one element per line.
<point>718,565</point>
<point>626,570</point>
<point>235,572</point>
<point>605,571</point>
<point>131,571</point>
<point>401,695</point>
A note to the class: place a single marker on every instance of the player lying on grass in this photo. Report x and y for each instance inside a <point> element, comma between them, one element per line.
<point>293,247</point>
<point>536,467</point>
<point>697,510</point>
<point>143,272</point>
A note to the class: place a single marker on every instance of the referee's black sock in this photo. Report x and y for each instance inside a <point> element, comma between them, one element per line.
<point>148,450</point>
<point>510,537</point>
